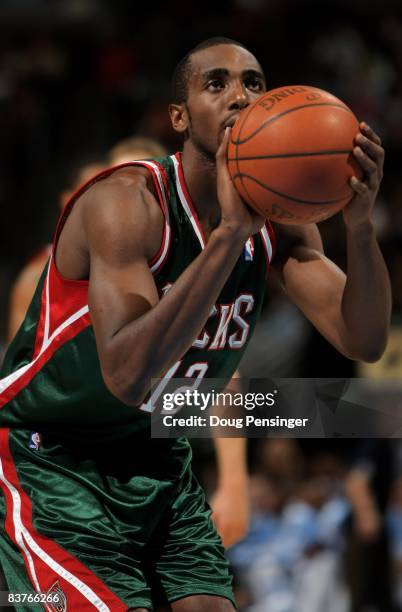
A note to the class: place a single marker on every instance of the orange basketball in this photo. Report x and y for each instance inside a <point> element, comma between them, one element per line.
<point>290,154</point>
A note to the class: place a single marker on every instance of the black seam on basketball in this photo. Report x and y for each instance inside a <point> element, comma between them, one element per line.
<point>256,205</point>
<point>244,119</point>
<point>246,114</point>
<point>236,142</point>
<point>284,155</point>
<point>286,196</point>
<point>237,161</point>
<point>286,112</point>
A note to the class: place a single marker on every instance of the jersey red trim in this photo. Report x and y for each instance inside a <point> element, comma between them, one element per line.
<point>22,377</point>
<point>63,310</point>
<point>161,190</point>
<point>45,560</point>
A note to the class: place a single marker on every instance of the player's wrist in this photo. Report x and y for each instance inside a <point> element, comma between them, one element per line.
<point>232,233</point>
<point>359,229</point>
<point>233,482</point>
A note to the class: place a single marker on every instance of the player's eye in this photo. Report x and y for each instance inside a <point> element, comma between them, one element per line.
<point>254,83</point>
<point>215,84</point>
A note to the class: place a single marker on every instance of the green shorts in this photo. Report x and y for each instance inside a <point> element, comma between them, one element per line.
<point>124,526</point>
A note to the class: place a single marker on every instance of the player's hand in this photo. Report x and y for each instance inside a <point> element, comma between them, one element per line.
<point>370,155</point>
<point>236,215</point>
<point>230,513</point>
<point>367,525</point>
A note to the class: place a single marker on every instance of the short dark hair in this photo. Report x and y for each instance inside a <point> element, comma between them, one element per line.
<point>182,71</point>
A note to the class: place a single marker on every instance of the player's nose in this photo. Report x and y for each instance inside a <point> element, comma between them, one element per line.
<point>239,98</point>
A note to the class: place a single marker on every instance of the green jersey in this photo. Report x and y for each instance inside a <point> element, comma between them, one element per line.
<point>51,377</point>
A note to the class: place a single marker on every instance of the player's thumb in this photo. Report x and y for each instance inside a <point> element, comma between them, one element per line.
<point>221,154</point>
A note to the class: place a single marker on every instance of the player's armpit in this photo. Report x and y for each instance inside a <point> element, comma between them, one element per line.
<point>316,285</point>
<point>289,237</point>
<point>313,282</point>
<point>343,308</point>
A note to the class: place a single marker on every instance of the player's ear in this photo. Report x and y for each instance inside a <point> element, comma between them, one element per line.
<point>179,117</point>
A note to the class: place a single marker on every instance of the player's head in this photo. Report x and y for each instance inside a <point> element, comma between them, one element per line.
<point>135,147</point>
<point>211,85</point>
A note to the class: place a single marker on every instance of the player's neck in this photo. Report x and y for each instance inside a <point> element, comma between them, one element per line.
<point>200,176</point>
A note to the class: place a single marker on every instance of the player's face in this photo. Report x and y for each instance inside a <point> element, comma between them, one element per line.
<point>224,80</point>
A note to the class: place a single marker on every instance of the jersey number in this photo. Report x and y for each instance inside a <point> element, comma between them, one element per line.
<point>196,372</point>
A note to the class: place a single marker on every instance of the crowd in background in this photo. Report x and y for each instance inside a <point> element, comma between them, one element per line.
<point>326,528</point>
<point>76,77</point>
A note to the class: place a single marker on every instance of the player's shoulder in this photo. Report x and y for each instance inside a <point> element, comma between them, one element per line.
<point>121,192</point>
<point>124,179</point>
<point>122,209</point>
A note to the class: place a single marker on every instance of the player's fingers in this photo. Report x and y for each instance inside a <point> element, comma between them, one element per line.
<point>359,187</point>
<point>368,131</point>
<point>221,154</point>
<point>373,150</point>
<point>369,167</point>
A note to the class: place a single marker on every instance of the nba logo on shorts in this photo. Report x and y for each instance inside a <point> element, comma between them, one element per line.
<point>56,598</point>
<point>249,250</point>
<point>35,440</point>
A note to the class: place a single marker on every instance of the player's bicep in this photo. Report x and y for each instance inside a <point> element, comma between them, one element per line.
<point>315,284</point>
<point>119,295</point>
<point>121,239</point>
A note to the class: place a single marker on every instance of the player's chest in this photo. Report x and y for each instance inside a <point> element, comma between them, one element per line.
<point>232,317</point>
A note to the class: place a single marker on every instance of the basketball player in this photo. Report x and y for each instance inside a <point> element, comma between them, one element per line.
<point>158,270</point>
<point>229,503</point>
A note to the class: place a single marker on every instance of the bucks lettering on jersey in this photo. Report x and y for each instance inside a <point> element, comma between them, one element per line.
<point>51,377</point>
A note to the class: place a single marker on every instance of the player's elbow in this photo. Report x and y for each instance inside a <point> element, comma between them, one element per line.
<point>369,351</point>
<point>130,391</point>
<point>367,356</point>
<point>373,355</point>
<point>131,395</point>
<point>127,376</point>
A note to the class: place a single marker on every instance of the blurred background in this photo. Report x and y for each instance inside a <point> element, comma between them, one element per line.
<point>76,78</point>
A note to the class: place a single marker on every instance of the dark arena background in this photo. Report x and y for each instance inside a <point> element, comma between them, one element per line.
<point>78,76</point>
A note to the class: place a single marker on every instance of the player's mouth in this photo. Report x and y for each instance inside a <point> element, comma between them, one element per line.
<point>230,121</point>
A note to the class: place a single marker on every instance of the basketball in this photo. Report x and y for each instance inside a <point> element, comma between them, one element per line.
<point>290,155</point>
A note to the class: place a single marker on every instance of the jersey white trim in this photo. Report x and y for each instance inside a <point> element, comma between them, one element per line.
<point>267,241</point>
<point>16,521</point>
<point>167,234</point>
<point>22,533</point>
<point>14,376</point>
<point>47,341</point>
<point>185,204</point>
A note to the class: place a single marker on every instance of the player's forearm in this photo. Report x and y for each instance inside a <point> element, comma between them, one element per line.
<point>231,461</point>
<point>358,492</point>
<point>230,452</point>
<point>367,301</point>
<point>147,347</point>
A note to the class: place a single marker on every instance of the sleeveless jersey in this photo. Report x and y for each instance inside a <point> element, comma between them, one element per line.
<point>51,378</point>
